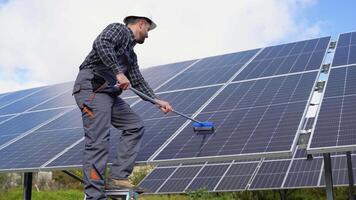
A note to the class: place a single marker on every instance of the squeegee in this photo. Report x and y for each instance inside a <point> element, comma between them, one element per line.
<point>198,126</point>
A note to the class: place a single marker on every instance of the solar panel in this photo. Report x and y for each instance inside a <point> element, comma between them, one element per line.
<point>186,102</point>
<point>179,179</point>
<point>345,53</point>
<point>304,173</point>
<point>335,124</point>
<point>155,179</point>
<point>24,123</point>
<point>270,175</point>
<point>29,151</point>
<point>286,58</point>
<point>208,177</point>
<point>34,99</point>
<point>339,170</point>
<point>209,71</point>
<point>237,177</point>
<point>16,96</point>
<point>158,75</point>
<point>257,116</point>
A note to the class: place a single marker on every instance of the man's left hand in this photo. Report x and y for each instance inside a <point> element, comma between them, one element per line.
<point>164,106</point>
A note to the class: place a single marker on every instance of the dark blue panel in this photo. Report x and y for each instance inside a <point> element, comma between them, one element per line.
<point>15,96</point>
<point>157,132</point>
<point>344,40</point>
<point>37,148</point>
<point>180,179</point>
<point>72,119</point>
<point>25,122</point>
<point>3,118</point>
<point>350,87</point>
<point>35,99</point>
<point>250,117</point>
<point>187,102</point>
<point>63,100</point>
<point>212,70</point>
<point>336,124</point>
<point>339,170</point>
<point>336,82</point>
<point>156,76</point>
<point>270,175</point>
<point>345,53</point>
<point>341,56</point>
<point>237,177</point>
<point>352,55</point>
<point>208,177</point>
<point>304,173</point>
<point>353,38</point>
<point>301,56</point>
<point>73,157</point>
<point>156,178</point>
<point>325,133</point>
<point>256,130</point>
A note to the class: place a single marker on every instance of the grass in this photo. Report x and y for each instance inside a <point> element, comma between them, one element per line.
<point>16,194</point>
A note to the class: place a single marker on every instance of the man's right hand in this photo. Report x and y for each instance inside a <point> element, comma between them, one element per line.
<point>123,82</point>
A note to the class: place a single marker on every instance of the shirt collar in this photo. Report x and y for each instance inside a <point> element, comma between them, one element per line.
<point>132,37</point>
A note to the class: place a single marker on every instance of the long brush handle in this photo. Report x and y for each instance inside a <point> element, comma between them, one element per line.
<point>139,93</point>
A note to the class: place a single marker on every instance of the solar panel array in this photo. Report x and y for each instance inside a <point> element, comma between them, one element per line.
<point>257,100</point>
<point>296,172</point>
<point>260,110</point>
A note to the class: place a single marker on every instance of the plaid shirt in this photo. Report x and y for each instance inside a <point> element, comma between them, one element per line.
<point>113,50</point>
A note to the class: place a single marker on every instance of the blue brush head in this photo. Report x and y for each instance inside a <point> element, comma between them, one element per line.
<point>203,124</point>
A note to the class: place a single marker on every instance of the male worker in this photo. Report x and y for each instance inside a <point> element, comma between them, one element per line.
<point>111,67</point>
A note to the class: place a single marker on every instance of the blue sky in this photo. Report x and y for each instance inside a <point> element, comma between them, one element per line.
<point>44,41</point>
<point>338,16</point>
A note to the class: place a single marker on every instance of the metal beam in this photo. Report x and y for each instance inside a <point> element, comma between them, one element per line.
<point>351,176</point>
<point>73,176</point>
<point>27,185</point>
<point>328,177</point>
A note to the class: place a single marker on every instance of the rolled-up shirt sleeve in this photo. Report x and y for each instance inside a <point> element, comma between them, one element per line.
<point>105,43</point>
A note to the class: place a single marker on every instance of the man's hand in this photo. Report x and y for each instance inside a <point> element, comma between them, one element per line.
<point>123,82</point>
<point>164,106</point>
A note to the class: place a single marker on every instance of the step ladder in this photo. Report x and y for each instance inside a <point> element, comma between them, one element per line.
<point>121,194</point>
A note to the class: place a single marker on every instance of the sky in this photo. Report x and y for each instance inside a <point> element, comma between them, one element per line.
<point>43,42</point>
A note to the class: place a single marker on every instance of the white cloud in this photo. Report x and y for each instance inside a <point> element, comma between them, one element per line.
<point>51,38</point>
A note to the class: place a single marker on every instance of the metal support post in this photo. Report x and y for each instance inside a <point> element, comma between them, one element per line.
<point>351,176</point>
<point>328,177</point>
<point>27,185</point>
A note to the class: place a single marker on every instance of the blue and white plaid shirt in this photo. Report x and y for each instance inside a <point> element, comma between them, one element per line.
<point>113,50</point>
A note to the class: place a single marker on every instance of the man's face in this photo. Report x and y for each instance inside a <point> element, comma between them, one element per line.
<point>144,27</point>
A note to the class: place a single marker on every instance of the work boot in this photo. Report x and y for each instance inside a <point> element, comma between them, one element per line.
<point>122,184</point>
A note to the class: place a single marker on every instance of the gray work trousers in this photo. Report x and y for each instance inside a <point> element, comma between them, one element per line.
<point>99,112</point>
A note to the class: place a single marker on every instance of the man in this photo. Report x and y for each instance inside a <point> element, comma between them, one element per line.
<point>111,67</point>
